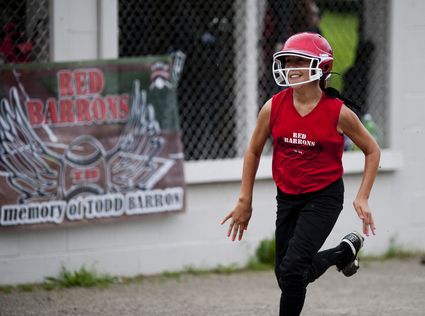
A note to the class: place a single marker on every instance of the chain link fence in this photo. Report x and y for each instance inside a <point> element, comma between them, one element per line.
<point>204,33</point>
<point>358,34</point>
<point>228,47</point>
<point>220,58</point>
<point>24,31</point>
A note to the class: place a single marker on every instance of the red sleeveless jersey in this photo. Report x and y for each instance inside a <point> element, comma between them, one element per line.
<point>307,150</point>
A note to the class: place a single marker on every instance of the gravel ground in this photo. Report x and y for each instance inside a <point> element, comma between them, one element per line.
<point>394,287</point>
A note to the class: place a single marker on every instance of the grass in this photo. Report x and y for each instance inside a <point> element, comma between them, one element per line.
<point>7,289</point>
<point>27,287</point>
<point>232,268</point>
<point>341,30</point>
<point>192,270</point>
<point>262,260</point>
<point>264,256</point>
<point>91,278</point>
<point>66,279</point>
<point>266,251</point>
<point>83,277</point>
<point>172,274</point>
<point>395,250</point>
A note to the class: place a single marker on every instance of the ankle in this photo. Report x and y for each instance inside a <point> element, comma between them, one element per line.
<point>345,254</point>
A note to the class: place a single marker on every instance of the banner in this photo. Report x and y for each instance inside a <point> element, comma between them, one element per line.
<point>89,142</point>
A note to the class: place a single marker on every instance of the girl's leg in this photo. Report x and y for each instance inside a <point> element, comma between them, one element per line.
<point>309,222</point>
<point>344,256</point>
<point>340,255</point>
<point>287,216</point>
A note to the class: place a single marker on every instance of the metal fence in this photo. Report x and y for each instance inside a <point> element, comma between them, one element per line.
<point>24,31</point>
<point>220,58</point>
<point>204,33</point>
<point>228,47</point>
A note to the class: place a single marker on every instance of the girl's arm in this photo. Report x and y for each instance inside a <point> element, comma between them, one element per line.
<point>350,125</point>
<point>241,213</point>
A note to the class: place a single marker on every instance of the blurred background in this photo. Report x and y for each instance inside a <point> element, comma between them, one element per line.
<point>213,36</point>
<point>224,49</point>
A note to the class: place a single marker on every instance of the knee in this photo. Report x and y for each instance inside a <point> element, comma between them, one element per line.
<point>292,276</point>
<point>293,266</point>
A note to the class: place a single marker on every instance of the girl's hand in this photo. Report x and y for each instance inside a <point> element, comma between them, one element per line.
<point>240,217</point>
<point>363,211</point>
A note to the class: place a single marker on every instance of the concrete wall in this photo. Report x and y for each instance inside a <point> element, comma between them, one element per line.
<point>83,30</point>
<point>196,238</point>
<point>406,211</point>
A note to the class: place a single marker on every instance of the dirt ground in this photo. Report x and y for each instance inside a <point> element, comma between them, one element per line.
<point>393,287</point>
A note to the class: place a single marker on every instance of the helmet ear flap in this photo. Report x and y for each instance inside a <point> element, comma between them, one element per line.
<point>326,66</point>
<point>325,69</point>
<point>326,73</point>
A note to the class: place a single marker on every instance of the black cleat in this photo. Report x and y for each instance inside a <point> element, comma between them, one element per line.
<point>355,241</point>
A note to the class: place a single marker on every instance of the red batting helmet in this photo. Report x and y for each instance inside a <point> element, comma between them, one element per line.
<point>308,45</point>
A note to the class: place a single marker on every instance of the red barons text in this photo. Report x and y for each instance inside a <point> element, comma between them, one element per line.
<point>79,101</point>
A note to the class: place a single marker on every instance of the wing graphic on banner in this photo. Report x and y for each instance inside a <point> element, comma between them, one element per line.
<point>24,155</point>
<point>38,173</point>
<point>134,161</point>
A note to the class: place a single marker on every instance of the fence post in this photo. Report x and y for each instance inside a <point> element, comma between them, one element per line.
<point>246,36</point>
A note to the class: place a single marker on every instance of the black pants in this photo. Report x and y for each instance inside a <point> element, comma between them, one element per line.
<point>303,223</point>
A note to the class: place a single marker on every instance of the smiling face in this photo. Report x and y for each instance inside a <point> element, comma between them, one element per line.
<point>300,71</point>
<point>293,69</point>
<point>307,46</point>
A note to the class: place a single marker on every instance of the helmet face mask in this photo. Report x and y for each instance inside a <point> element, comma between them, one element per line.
<point>281,74</point>
<point>307,45</point>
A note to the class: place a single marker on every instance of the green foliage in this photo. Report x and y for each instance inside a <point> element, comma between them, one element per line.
<point>190,269</point>
<point>341,30</point>
<point>26,287</point>
<point>395,250</point>
<point>47,286</point>
<point>7,289</point>
<point>232,268</point>
<point>255,265</point>
<point>264,256</point>
<point>172,274</point>
<point>266,251</point>
<point>83,277</point>
<point>263,260</point>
